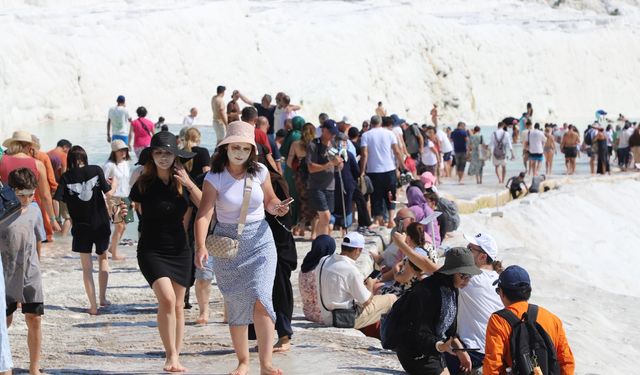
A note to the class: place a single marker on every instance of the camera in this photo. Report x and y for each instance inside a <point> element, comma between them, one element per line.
<point>332,153</point>
<point>405,177</point>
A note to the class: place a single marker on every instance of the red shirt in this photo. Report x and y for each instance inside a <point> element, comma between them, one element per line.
<point>261,138</point>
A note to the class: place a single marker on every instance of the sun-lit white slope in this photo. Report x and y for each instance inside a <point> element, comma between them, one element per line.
<point>478,60</point>
<point>580,245</point>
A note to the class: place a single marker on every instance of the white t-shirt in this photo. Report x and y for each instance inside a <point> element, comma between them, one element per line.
<point>342,284</point>
<point>120,172</point>
<point>445,143</point>
<point>378,142</point>
<point>536,139</point>
<point>623,142</point>
<point>428,156</point>
<point>231,192</point>
<point>279,116</point>
<point>119,120</point>
<point>188,121</point>
<point>476,302</point>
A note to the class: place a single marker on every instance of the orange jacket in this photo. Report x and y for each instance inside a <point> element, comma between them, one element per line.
<point>497,351</point>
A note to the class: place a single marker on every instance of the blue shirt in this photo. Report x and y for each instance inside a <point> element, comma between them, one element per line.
<point>459,138</point>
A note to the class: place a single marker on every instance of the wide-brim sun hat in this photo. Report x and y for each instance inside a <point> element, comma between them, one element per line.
<point>459,260</point>
<point>167,141</point>
<point>18,136</point>
<point>239,132</point>
<point>118,145</point>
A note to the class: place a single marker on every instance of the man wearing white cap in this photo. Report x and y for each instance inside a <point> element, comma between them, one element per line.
<point>478,300</point>
<point>341,286</point>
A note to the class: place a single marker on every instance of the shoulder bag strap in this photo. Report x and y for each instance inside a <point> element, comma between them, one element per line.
<point>320,285</point>
<point>532,313</point>
<point>248,182</point>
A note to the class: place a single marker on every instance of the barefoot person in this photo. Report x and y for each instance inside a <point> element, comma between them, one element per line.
<point>569,147</point>
<point>19,240</point>
<point>117,171</point>
<point>81,188</point>
<point>162,194</point>
<point>245,280</point>
<point>549,150</point>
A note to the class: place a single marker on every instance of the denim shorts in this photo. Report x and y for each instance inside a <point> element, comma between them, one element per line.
<point>206,273</point>
<point>322,200</point>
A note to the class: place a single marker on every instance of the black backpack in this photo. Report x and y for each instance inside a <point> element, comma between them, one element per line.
<point>531,346</point>
<point>449,213</point>
<point>588,139</point>
<point>398,321</point>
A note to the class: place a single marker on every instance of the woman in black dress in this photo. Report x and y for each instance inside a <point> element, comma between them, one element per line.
<point>603,152</point>
<point>162,194</point>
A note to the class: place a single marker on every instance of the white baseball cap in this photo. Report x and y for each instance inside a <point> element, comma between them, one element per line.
<point>353,239</point>
<point>486,242</point>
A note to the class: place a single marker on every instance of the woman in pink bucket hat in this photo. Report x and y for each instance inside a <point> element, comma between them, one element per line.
<point>246,279</point>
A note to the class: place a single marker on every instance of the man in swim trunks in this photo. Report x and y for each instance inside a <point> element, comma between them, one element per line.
<point>515,185</point>
<point>220,119</point>
<point>569,147</point>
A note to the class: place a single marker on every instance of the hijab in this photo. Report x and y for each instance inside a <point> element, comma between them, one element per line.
<point>294,135</point>
<point>322,246</point>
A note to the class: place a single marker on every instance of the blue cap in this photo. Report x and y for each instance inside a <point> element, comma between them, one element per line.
<point>332,126</point>
<point>120,99</point>
<point>397,121</point>
<point>513,277</point>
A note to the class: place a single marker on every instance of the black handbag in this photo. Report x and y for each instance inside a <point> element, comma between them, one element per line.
<point>10,206</point>
<point>342,318</point>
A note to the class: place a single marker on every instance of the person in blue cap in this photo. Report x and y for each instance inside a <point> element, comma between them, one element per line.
<point>514,289</point>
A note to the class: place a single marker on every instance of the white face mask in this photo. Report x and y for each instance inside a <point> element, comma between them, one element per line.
<point>237,155</point>
<point>163,160</point>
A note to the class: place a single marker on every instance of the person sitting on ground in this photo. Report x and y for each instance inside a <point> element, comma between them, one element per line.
<point>392,254</point>
<point>514,289</point>
<point>536,181</point>
<point>19,239</point>
<point>321,247</point>
<point>477,301</point>
<point>420,260</point>
<point>515,185</point>
<point>435,303</point>
<point>341,286</point>
<point>416,198</point>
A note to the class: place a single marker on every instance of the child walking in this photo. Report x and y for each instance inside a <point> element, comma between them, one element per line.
<point>19,240</point>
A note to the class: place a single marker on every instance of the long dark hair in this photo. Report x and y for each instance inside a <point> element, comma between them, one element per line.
<point>220,160</point>
<point>150,174</point>
<point>76,156</point>
<point>415,231</point>
<point>112,156</point>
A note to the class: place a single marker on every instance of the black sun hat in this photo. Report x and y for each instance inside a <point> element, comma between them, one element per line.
<point>459,260</point>
<point>166,141</point>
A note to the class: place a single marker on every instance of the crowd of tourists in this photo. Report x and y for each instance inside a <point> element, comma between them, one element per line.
<point>233,213</point>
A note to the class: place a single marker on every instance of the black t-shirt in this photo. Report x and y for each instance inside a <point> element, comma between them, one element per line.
<point>163,212</point>
<point>201,160</point>
<point>268,113</point>
<point>81,189</point>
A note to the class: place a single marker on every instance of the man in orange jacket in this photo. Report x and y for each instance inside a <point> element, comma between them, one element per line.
<point>514,289</point>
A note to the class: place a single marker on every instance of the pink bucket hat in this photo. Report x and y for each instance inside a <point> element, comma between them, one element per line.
<point>239,132</point>
<point>427,179</point>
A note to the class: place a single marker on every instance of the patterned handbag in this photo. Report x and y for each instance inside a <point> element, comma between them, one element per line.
<point>226,247</point>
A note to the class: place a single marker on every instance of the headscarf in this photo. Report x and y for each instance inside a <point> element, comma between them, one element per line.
<point>295,134</point>
<point>418,203</point>
<point>322,246</point>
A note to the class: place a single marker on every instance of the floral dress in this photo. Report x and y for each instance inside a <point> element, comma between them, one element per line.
<point>309,293</point>
<point>476,164</point>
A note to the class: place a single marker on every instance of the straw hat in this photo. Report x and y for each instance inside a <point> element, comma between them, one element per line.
<point>239,132</point>
<point>18,136</point>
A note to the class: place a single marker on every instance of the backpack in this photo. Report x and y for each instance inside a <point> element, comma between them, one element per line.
<point>498,150</point>
<point>411,139</point>
<point>530,344</point>
<point>398,321</point>
<point>449,210</point>
<point>588,137</point>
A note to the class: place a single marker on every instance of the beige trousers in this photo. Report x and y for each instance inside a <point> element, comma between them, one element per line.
<point>378,306</point>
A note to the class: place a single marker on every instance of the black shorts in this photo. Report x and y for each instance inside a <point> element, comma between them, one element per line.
<point>446,156</point>
<point>322,200</point>
<point>36,308</point>
<point>83,242</point>
<point>570,152</point>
